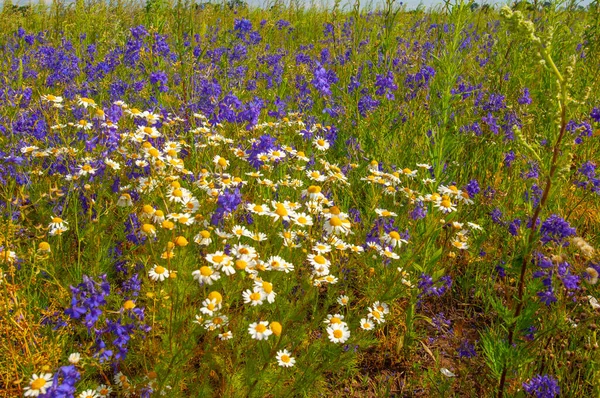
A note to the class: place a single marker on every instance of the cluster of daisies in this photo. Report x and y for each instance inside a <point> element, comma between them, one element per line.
<point>57,226</point>
<point>338,330</point>
<point>41,384</point>
<point>250,208</point>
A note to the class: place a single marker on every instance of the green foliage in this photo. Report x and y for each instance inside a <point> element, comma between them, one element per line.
<point>493,302</point>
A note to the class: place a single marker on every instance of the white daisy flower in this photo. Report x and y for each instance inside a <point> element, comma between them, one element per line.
<point>158,273</point>
<point>206,275</point>
<point>338,332</point>
<point>320,144</point>
<point>210,306</point>
<point>343,300</point>
<point>337,225</point>
<point>284,359</point>
<point>38,384</point>
<point>366,324</point>
<point>89,394</point>
<point>253,298</point>
<point>266,288</point>
<point>260,330</point>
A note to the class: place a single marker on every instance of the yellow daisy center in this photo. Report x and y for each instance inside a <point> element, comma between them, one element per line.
<point>335,222</point>
<point>281,210</point>
<point>206,271</point>
<point>267,287</point>
<point>255,296</point>
<point>159,270</point>
<point>37,384</point>
<point>320,259</point>
<point>260,328</point>
<point>338,334</point>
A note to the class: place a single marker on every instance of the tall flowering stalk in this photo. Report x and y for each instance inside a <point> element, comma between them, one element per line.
<point>527,28</point>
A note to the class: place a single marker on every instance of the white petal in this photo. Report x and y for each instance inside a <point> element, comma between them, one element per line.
<point>447,372</point>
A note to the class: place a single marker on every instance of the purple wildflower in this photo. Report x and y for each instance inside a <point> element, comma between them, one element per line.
<point>556,229</point>
<point>542,387</point>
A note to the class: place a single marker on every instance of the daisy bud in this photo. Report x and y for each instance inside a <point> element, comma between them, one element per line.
<point>168,224</point>
<point>275,328</point>
<point>128,305</point>
<point>215,296</point>
<point>44,247</point>
<point>147,209</point>
<point>149,229</point>
<point>181,241</point>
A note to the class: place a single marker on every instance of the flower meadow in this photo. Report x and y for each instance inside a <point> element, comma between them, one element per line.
<point>216,200</point>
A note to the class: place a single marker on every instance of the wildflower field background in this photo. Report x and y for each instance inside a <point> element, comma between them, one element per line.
<point>211,200</point>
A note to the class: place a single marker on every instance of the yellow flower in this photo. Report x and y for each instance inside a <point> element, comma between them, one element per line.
<point>275,328</point>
